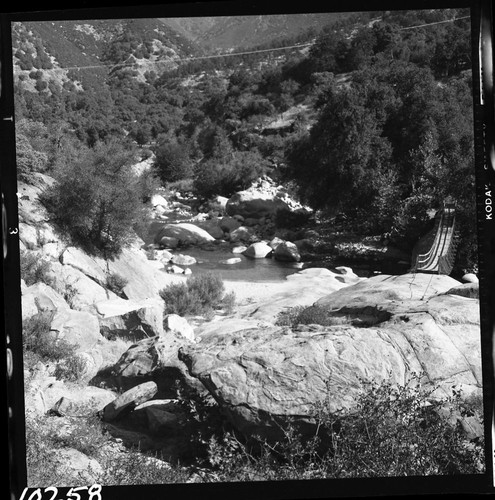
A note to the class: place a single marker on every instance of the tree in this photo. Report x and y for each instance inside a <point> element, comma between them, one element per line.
<point>227,175</point>
<point>96,200</point>
<point>214,142</point>
<point>329,53</point>
<point>33,148</point>
<point>173,160</point>
<point>345,151</point>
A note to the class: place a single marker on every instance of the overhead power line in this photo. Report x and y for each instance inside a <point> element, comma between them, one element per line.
<point>437,22</point>
<point>234,54</point>
<point>187,59</point>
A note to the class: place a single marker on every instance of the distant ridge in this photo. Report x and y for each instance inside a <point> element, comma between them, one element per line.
<point>233,32</point>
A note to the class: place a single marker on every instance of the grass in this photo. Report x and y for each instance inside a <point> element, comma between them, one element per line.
<point>392,432</point>
<point>87,435</point>
<point>40,345</point>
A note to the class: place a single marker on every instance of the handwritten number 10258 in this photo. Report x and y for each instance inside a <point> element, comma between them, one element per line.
<point>93,493</point>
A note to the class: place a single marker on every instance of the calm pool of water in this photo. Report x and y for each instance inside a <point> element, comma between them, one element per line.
<point>246,270</point>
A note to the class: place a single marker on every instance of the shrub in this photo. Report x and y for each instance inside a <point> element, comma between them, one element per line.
<point>70,293</point>
<point>411,220</point>
<point>28,159</point>
<point>39,344</point>
<point>42,468</point>
<point>70,369</point>
<point>393,431</point>
<point>229,302</point>
<point>200,294</point>
<point>33,269</point>
<point>178,300</point>
<point>116,283</point>
<point>312,315</point>
<point>208,287</point>
<point>288,317</point>
<point>87,436</point>
<point>96,200</point>
<point>398,431</point>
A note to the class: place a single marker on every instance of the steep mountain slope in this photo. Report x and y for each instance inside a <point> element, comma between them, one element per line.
<point>229,32</point>
<point>84,51</point>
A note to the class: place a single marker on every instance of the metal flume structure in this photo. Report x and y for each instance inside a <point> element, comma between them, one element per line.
<point>436,252</point>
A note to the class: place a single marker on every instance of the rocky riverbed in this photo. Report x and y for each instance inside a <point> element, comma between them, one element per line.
<point>260,373</point>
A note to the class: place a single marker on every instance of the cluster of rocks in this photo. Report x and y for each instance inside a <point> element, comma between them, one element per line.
<point>243,217</point>
<point>262,375</point>
<point>73,298</point>
<point>163,208</point>
<point>246,222</point>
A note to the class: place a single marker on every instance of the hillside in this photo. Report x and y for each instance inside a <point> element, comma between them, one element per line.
<point>217,123</point>
<point>84,51</point>
<point>231,32</point>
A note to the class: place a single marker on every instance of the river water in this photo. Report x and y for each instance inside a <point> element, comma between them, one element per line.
<point>210,260</point>
<point>246,270</point>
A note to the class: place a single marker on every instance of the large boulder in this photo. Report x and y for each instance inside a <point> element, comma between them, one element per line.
<point>287,252</point>
<point>300,289</point>
<point>80,291</point>
<point>231,261</point>
<point>262,377</point>
<point>142,279</point>
<point>40,298</point>
<point>217,203</point>
<point>77,328</point>
<point>129,400</point>
<point>186,233</point>
<point>265,377</point>
<point>179,325</point>
<point>157,200</point>
<point>43,392</point>
<point>120,315</point>
<point>471,290</point>
<point>255,204</point>
<point>228,224</point>
<point>182,260</point>
<point>92,267</point>
<point>241,234</point>
<point>155,358</point>
<point>258,250</point>
<point>212,226</point>
<point>383,290</point>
